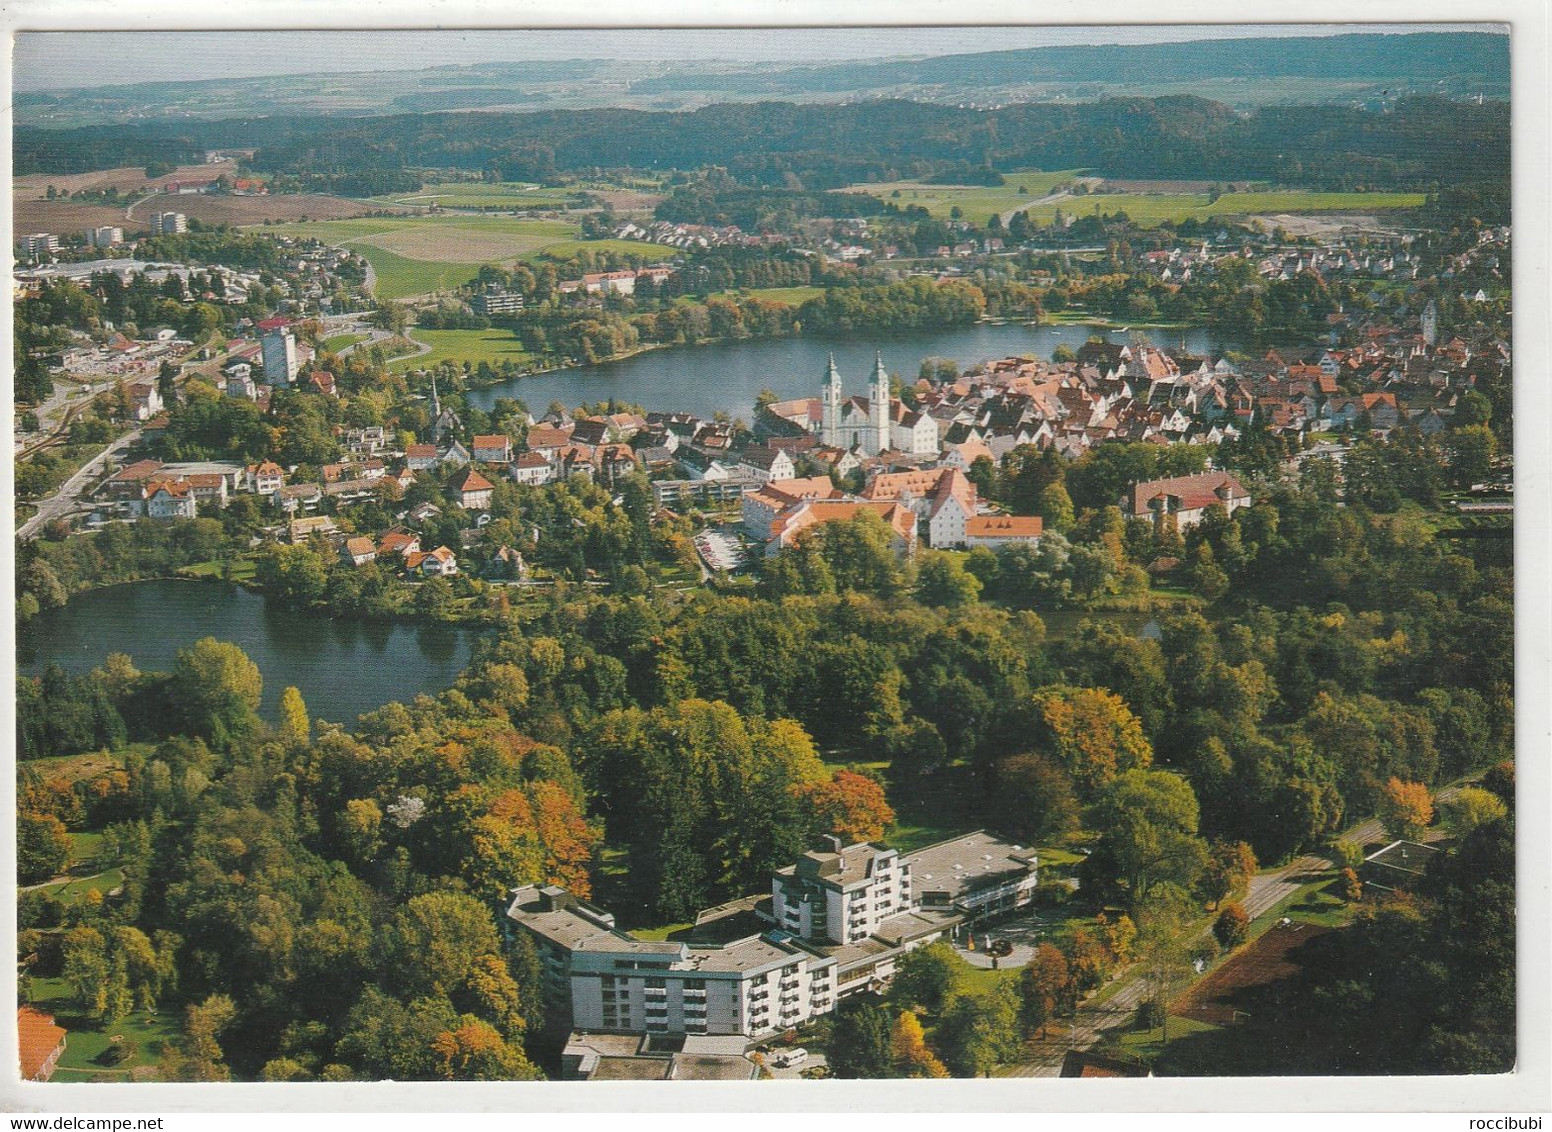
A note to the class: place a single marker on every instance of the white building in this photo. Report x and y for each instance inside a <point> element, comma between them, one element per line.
<point>105,237</point>
<point>835,923</point>
<point>37,245</point>
<point>857,422</point>
<point>279,357</point>
<point>168,223</point>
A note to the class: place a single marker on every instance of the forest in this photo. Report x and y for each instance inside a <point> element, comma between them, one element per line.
<point>1422,142</point>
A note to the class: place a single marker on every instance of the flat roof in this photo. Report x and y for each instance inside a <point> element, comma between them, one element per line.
<point>963,863</point>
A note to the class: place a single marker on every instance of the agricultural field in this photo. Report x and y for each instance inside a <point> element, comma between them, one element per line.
<point>477,194</point>
<point>1149,209</point>
<point>418,255</point>
<point>473,346</point>
<point>1217,998</point>
<point>977,203</point>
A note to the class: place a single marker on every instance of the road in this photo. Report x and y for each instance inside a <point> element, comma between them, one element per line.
<point>1267,890</point>
<point>1049,198</point>
<point>64,500</point>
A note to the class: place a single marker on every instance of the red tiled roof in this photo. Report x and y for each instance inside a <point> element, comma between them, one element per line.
<point>37,1037</point>
<point>473,481</point>
<point>1004,526</point>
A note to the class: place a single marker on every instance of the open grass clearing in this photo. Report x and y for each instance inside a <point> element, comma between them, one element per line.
<point>335,343</point>
<point>792,296</point>
<point>493,346</point>
<point>77,890</point>
<point>89,1039</point>
<point>68,769</point>
<point>977,203</point>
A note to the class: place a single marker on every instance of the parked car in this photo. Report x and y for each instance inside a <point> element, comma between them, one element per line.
<point>789,1059</point>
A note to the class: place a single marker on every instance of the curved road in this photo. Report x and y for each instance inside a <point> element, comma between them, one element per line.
<point>64,500</point>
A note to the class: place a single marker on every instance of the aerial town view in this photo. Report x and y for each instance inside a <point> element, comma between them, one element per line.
<point>620,556</point>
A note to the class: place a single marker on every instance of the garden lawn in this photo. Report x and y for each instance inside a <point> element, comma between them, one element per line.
<point>473,346</point>
<point>75,891</point>
<point>88,1039</point>
<point>339,341</point>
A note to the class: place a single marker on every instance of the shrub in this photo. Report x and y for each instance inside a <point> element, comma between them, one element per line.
<point>1232,926</point>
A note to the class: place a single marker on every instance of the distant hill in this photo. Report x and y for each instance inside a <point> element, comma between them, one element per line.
<point>1418,143</point>
<point>1362,70</point>
<point>1420,57</point>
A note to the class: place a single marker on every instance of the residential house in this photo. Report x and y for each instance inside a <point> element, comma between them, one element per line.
<point>40,1042</point>
<point>531,468</point>
<point>473,490</point>
<point>358,551</point>
<point>169,499</point>
<point>766,464</point>
<point>264,478</point>
<point>1185,498</point>
<point>420,457</point>
<point>439,563</point>
<point>145,400</point>
<point>494,449</point>
<point>298,531</point>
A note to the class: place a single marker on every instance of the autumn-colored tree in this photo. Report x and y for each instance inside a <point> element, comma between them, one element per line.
<point>1232,925</point>
<point>1046,989</point>
<point>1092,733</point>
<point>1352,887</point>
<point>1087,958</point>
<point>1034,797</point>
<point>912,1057</point>
<point>474,1051</point>
<point>1230,865</point>
<point>1470,807</point>
<point>849,805</point>
<point>295,726</point>
<point>203,1023</point>
<point>1120,935</point>
<point>42,846</point>
<point>1405,809</point>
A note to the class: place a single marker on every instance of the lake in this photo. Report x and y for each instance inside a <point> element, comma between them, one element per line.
<point>727,376</point>
<point>341,667</point>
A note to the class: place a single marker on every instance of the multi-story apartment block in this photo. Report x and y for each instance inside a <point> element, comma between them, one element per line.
<point>168,223</point>
<point>835,924</point>
<point>279,357</point>
<point>37,245</point>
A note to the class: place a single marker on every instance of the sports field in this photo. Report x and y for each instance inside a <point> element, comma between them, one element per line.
<point>459,346</point>
<point>792,296</point>
<point>977,203</point>
<point>417,255</point>
<point>1149,209</point>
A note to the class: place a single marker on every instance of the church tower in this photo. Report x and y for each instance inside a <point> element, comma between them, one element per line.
<point>831,398</point>
<point>878,408</point>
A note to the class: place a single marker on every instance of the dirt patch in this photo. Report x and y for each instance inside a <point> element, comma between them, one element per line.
<point>446,244</point>
<point>237,211</point>
<point>1217,998</point>
<point>628,200</point>
<point>61,217</point>
<point>1319,227</point>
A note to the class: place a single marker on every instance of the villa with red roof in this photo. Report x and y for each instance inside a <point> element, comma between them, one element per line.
<point>1187,498</point>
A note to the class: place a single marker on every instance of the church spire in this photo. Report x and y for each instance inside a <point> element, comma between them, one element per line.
<point>830,403</point>
<point>878,404</point>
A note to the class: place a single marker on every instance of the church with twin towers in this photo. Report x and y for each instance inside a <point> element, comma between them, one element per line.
<point>873,423</point>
